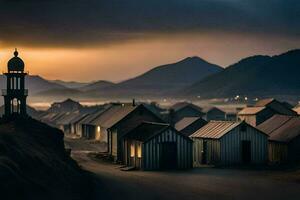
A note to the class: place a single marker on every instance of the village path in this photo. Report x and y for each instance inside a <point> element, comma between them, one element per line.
<point>202,184</point>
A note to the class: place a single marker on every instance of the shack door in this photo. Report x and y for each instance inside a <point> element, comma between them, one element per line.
<point>168,159</point>
<point>246,152</point>
<point>204,153</point>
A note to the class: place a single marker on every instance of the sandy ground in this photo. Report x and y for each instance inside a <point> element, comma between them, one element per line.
<point>201,183</point>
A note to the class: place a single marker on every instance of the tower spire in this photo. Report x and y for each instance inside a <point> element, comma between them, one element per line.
<point>16,53</point>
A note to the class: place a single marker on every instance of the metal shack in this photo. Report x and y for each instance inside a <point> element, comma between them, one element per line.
<point>284,140</point>
<point>190,125</point>
<point>213,113</point>
<point>229,143</point>
<point>153,146</point>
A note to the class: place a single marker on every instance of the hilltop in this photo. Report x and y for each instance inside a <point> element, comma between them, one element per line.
<point>35,165</point>
<point>253,76</point>
<point>165,78</point>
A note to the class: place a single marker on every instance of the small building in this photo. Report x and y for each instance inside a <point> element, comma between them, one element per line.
<point>74,123</point>
<point>86,130</point>
<point>229,143</point>
<point>121,122</point>
<point>281,108</point>
<point>65,122</point>
<point>51,118</point>
<point>153,146</point>
<point>213,113</point>
<point>189,125</point>
<point>68,105</point>
<point>255,115</point>
<point>284,138</point>
<point>183,109</point>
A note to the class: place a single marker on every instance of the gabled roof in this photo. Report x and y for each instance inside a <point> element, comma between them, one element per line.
<point>113,115</point>
<point>89,118</point>
<point>68,117</point>
<point>178,106</point>
<point>287,105</point>
<point>48,116</point>
<point>280,108</point>
<point>215,129</point>
<point>251,110</point>
<point>187,121</point>
<point>68,101</point>
<point>146,130</point>
<point>281,128</point>
<point>78,118</point>
<point>264,102</point>
<point>208,109</point>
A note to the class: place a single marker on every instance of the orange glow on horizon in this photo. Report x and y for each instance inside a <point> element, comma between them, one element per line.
<point>126,60</point>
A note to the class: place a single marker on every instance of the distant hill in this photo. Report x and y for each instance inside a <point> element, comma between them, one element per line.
<point>98,85</point>
<point>165,78</point>
<point>253,76</point>
<point>64,92</point>
<point>35,84</point>
<point>70,84</point>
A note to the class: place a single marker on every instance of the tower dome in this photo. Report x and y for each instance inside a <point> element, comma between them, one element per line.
<point>15,63</point>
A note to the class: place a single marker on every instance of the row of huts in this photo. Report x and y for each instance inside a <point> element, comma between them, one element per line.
<point>147,137</point>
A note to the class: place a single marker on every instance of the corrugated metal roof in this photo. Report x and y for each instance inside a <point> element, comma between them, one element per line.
<point>185,122</point>
<point>92,116</point>
<point>66,119</point>
<point>113,115</point>
<point>207,109</point>
<point>251,110</point>
<point>281,128</point>
<point>78,118</point>
<point>264,102</point>
<point>145,131</point>
<point>273,123</point>
<point>215,129</point>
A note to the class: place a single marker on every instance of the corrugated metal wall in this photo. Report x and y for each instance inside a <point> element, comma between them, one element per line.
<point>231,151</point>
<point>152,150</point>
<point>212,153</point>
<point>278,152</point>
<point>228,151</point>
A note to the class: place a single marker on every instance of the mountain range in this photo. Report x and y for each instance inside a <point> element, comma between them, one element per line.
<point>253,76</point>
<point>258,76</point>
<point>157,81</point>
<point>164,79</point>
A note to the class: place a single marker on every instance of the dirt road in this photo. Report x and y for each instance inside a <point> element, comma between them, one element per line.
<point>202,184</point>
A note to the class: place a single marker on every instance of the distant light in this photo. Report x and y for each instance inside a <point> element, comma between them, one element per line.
<point>246,98</point>
<point>198,96</point>
<point>98,129</point>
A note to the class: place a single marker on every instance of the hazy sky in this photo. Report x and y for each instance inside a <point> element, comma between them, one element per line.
<point>116,39</point>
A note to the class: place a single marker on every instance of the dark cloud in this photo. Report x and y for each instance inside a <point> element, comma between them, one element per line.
<point>94,22</point>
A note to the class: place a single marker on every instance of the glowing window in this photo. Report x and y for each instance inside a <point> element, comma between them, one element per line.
<point>139,151</point>
<point>98,129</point>
<point>132,150</point>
